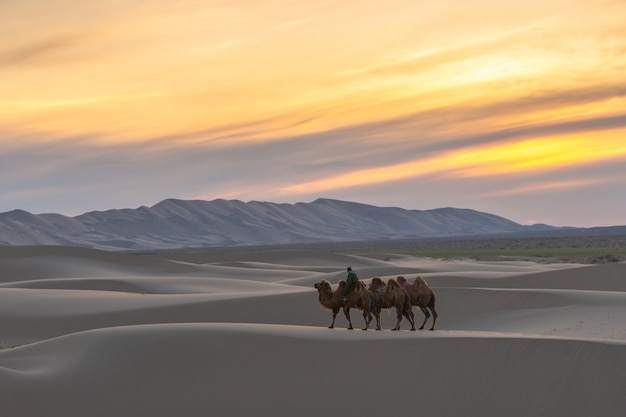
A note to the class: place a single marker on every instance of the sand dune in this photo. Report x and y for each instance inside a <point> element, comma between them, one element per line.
<point>92,333</point>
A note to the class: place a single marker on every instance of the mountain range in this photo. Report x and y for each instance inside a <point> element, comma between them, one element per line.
<point>178,224</point>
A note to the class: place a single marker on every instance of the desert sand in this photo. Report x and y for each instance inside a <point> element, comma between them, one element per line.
<point>93,333</point>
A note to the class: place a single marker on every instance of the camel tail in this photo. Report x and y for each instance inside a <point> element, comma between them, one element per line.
<point>431,302</point>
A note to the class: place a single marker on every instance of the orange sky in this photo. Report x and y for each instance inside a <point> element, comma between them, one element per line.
<point>486,105</point>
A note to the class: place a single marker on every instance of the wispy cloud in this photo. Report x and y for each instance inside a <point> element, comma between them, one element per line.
<point>37,51</point>
<point>545,154</point>
<point>545,187</point>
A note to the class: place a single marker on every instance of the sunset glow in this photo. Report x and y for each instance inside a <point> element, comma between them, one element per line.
<point>535,155</point>
<point>282,101</point>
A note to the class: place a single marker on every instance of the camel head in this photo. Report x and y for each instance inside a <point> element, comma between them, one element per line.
<point>392,284</point>
<point>323,286</point>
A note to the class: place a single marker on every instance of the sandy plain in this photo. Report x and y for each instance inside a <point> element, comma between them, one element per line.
<point>241,333</point>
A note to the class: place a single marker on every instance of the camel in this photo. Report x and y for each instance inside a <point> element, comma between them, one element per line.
<point>390,295</point>
<point>422,296</point>
<point>360,299</point>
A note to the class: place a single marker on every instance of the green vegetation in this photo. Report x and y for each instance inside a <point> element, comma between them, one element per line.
<point>593,255</point>
<point>587,249</point>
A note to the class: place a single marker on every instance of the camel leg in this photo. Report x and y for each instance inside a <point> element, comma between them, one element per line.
<point>377,315</point>
<point>335,312</point>
<point>367,316</point>
<point>426,316</point>
<point>346,311</point>
<point>367,306</point>
<point>398,319</point>
<point>432,308</point>
<point>376,312</point>
<point>410,316</point>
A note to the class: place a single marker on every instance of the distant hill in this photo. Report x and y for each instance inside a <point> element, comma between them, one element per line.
<point>177,224</point>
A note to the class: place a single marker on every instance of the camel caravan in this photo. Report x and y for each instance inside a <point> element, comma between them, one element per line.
<point>398,294</point>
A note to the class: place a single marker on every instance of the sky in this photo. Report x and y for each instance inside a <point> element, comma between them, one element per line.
<point>513,108</point>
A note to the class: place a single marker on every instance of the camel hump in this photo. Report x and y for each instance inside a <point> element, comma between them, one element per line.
<point>419,281</point>
<point>375,283</point>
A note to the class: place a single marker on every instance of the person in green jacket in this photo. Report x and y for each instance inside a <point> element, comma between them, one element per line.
<point>350,283</point>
